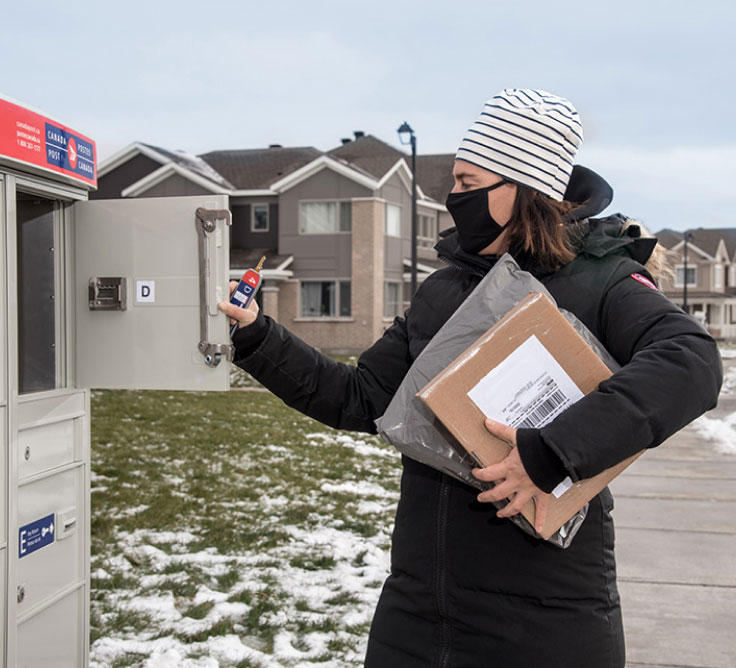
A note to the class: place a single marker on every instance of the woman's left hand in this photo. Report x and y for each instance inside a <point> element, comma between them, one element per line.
<point>512,480</point>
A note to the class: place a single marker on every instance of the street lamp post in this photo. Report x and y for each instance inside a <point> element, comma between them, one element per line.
<point>407,136</point>
<point>687,236</point>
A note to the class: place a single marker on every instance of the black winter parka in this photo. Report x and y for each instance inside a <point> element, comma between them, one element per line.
<point>467,589</point>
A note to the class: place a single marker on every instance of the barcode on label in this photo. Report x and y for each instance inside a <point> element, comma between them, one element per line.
<point>537,417</point>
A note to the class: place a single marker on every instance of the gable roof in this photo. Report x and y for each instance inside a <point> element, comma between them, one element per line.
<point>705,239</point>
<point>369,154</point>
<point>729,238</point>
<point>668,238</point>
<point>434,172</point>
<point>194,164</point>
<point>258,168</point>
<point>366,159</point>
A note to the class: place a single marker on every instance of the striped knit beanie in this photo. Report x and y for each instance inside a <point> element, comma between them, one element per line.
<point>528,136</point>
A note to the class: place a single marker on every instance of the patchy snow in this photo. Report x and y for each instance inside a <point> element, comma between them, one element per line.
<point>729,381</point>
<point>721,431</point>
<point>360,564</point>
<point>358,488</point>
<point>356,444</point>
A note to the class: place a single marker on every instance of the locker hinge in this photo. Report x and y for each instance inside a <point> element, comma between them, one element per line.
<point>205,221</point>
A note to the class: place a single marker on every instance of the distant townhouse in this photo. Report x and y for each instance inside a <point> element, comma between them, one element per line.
<point>710,279</point>
<point>335,226</point>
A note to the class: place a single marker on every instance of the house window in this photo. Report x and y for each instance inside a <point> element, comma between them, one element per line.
<point>259,221</point>
<point>680,277</point>
<point>391,299</point>
<point>393,221</point>
<point>325,299</point>
<point>326,217</point>
<point>426,230</point>
<point>718,277</point>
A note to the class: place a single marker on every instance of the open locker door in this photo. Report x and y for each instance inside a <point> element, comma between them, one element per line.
<point>149,275</point>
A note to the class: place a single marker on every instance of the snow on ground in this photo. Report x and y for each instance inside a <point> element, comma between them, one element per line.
<point>303,596</point>
<point>721,431</point>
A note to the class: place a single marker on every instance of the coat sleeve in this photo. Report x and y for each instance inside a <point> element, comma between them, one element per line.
<point>671,373</point>
<point>336,394</point>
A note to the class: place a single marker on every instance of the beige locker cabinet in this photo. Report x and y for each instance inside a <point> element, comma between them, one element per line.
<point>104,294</point>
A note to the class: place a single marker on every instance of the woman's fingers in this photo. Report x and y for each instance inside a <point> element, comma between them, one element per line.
<point>243,316</point>
<point>502,431</point>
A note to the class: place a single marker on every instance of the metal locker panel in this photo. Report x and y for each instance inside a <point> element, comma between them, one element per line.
<point>3,484</point>
<point>145,327</point>
<point>3,273</point>
<point>3,585</point>
<point>51,638</point>
<point>51,432</point>
<point>59,499</point>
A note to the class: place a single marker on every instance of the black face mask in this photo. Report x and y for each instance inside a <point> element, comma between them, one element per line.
<point>476,228</point>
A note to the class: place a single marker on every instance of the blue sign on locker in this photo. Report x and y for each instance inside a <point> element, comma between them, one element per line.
<point>36,535</point>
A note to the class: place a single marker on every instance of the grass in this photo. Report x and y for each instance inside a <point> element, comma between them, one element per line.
<point>210,524</point>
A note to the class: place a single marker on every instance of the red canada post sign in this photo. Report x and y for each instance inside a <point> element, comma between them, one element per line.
<point>33,139</point>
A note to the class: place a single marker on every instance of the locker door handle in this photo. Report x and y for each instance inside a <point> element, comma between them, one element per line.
<point>66,524</point>
<point>206,224</point>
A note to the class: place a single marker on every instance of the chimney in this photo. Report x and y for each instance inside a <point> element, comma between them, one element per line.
<point>358,134</point>
<point>345,140</point>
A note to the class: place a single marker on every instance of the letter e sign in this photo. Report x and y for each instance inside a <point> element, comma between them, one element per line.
<point>145,292</point>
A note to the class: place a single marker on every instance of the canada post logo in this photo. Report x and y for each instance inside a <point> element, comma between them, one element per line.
<point>71,153</point>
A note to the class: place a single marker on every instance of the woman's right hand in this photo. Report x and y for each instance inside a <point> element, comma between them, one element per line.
<point>242,316</point>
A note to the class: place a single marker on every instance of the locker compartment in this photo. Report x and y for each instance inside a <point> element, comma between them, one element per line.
<point>51,432</point>
<point>49,563</point>
<point>52,637</point>
<point>48,446</point>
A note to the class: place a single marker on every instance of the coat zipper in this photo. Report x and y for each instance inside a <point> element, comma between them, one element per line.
<point>440,573</point>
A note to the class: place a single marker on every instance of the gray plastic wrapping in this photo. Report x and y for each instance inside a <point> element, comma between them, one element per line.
<point>412,428</point>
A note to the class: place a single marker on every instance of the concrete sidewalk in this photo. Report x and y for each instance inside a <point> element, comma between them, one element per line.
<point>675,517</point>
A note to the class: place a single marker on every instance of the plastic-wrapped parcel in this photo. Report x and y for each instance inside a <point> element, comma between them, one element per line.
<point>412,427</point>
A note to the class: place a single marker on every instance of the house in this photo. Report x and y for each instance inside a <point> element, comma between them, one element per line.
<point>709,283</point>
<point>335,226</point>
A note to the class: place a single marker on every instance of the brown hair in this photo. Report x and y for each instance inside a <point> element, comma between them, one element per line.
<point>537,226</point>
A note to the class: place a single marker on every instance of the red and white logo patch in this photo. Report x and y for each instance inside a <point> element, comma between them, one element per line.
<point>643,280</point>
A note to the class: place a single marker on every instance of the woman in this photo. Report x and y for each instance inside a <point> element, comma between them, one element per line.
<point>467,587</point>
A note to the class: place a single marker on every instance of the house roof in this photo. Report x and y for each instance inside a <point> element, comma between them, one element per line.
<point>366,157</point>
<point>257,169</point>
<point>369,154</point>
<point>729,238</point>
<point>706,240</point>
<point>194,164</point>
<point>434,173</point>
<point>668,238</point>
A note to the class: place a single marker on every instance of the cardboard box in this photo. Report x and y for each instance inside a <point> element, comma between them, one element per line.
<point>523,371</point>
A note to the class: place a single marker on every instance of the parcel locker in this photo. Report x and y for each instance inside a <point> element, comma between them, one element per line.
<point>104,294</point>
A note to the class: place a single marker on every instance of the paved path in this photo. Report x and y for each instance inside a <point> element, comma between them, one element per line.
<point>675,520</point>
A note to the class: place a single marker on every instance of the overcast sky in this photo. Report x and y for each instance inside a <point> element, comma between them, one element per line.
<point>653,80</point>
